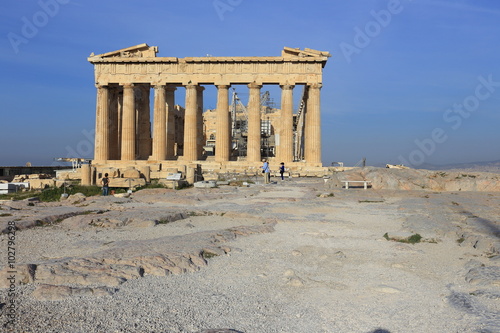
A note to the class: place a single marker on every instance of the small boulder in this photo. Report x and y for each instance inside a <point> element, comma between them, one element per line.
<point>77,197</point>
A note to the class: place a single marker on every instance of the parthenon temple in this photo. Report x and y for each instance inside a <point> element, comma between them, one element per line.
<point>131,132</point>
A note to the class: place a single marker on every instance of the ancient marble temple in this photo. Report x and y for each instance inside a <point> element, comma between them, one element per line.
<point>131,131</point>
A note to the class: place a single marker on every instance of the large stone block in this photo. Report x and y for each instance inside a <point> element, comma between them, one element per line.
<point>210,176</point>
<point>61,183</point>
<point>69,175</point>
<point>154,166</point>
<point>39,176</point>
<point>158,174</point>
<point>205,184</point>
<point>145,173</point>
<point>20,178</point>
<point>112,172</point>
<point>40,184</point>
<point>131,173</point>
<point>172,184</point>
<point>127,182</point>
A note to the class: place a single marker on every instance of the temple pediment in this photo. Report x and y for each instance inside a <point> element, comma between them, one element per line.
<point>137,51</point>
<point>297,52</point>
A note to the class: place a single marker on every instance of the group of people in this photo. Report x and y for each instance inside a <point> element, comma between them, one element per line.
<point>267,171</point>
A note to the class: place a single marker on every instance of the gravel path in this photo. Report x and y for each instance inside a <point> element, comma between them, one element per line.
<point>325,268</point>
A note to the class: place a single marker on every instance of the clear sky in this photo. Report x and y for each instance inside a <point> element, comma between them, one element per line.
<point>408,82</point>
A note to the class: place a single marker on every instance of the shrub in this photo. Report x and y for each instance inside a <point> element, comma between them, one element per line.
<point>19,195</point>
<point>88,191</point>
<point>153,184</point>
<point>54,193</point>
<point>51,194</point>
<point>415,238</point>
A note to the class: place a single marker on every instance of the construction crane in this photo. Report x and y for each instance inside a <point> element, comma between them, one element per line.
<point>238,123</point>
<point>239,120</point>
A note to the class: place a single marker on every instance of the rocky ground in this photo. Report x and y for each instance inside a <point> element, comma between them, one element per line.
<point>300,255</point>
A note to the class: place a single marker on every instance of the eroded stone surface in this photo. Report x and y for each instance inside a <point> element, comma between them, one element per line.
<point>128,260</point>
<point>413,179</point>
<point>326,263</point>
<point>46,292</point>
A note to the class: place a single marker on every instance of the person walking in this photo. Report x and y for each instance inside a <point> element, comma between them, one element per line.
<point>266,171</point>
<point>282,170</point>
<point>105,184</point>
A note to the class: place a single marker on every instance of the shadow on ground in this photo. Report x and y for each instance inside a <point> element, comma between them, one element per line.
<point>491,226</point>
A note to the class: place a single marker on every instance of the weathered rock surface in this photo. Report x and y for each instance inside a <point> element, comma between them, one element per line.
<point>127,260</point>
<point>34,221</point>
<point>325,267</point>
<point>413,179</point>
<point>46,292</point>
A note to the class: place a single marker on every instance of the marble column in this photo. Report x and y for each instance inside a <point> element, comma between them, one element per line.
<point>85,173</point>
<point>101,148</point>
<point>128,124</point>
<point>199,118</point>
<point>191,124</point>
<point>285,148</point>
<point>253,139</point>
<point>312,146</point>
<point>170,101</point>
<point>222,131</point>
<point>159,124</point>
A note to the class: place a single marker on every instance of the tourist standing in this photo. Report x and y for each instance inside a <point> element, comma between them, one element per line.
<point>105,184</point>
<point>266,171</point>
<point>282,170</point>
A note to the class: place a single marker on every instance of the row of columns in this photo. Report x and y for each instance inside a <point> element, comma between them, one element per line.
<point>163,124</point>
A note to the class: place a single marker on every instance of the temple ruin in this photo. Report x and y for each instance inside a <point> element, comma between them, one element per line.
<point>132,133</point>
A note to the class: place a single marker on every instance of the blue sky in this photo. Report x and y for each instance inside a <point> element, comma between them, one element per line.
<point>408,82</point>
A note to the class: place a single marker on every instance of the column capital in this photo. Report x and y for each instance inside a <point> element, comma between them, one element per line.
<point>191,86</point>
<point>254,85</point>
<point>159,86</point>
<point>223,86</point>
<point>200,88</point>
<point>315,85</point>
<point>287,86</point>
<point>127,85</point>
<point>99,85</point>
